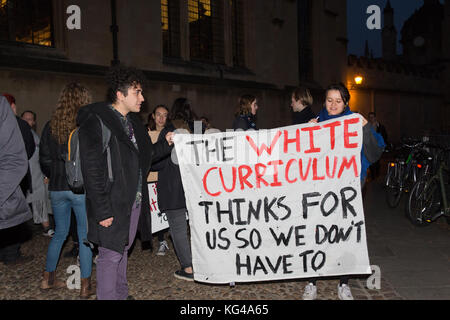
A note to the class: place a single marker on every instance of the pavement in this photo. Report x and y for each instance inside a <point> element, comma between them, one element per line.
<point>413,264</point>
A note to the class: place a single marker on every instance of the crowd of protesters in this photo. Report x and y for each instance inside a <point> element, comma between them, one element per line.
<point>107,214</point>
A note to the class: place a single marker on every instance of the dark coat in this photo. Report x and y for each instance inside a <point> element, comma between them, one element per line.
<point>30,148</point>
<point>103,199</point>
<point>245,122</point>
<point>52,161</point>
<point>13,167</point>
<point>303,116</point>
<point>170,186</point>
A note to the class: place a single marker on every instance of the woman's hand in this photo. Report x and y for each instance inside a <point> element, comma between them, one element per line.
<point>107,222</point>
<point>169,138</point>
<point>315,120</point>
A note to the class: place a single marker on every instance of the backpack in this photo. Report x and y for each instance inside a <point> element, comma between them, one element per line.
<point>73,162</point>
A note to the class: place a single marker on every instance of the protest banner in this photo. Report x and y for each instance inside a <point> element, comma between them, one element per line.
<point>159,219</point>
<point>275,204</point>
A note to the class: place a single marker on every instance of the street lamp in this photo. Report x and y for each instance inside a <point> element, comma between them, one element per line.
<point>359,79</point>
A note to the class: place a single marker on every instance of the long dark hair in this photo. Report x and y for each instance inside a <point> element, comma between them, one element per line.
<point>345,94</point>
<point>151,124</point>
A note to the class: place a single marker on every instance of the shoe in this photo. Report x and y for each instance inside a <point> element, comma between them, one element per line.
<point>310,292</point>
<point>130,298</point>
<point>49,281</point>
<point>163,247</point>
<point>344,292</point>
<point>18,261</point>
<point>49,232</point>
<point>87,288</point>
<point>183,275</point>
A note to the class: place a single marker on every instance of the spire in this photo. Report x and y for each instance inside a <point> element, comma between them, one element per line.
<point>366,50</point>
<point>388,6</point>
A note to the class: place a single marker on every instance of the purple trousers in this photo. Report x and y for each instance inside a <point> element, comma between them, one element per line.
<point>111,266</point>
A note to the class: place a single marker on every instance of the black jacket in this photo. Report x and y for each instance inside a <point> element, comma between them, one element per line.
<point>303,116</point>
<point>170,187</point>
<point>52,161</point>
<point>245,122</point>
<point>103,199</point>
<point>30,147</point>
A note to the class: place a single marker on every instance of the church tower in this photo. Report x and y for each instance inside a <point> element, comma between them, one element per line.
<point>389,34</point>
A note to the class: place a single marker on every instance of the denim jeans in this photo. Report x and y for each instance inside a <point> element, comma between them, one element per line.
<point>62,203</point>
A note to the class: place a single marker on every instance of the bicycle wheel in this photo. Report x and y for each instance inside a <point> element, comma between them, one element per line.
<point>393,189</point>
<point>423,201</point>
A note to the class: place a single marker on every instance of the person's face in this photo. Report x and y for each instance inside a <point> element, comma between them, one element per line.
<point>334,103</point>
<point>254,107</point>
<point>29,118</point>
<point>132,102</point>
<point>296,105</point>
<point>372,118</point>
<point>160,117</point>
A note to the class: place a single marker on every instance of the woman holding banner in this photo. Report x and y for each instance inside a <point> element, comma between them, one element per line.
<point>157,120</point>
<point>171,198</point>
<point>337,98</point>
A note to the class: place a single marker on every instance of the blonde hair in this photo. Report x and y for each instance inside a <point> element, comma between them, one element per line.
<point>303,95</point>
<point>63,120</point>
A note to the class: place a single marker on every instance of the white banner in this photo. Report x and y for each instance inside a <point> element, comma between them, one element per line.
<point>275,204</point>
<point>159,219</point>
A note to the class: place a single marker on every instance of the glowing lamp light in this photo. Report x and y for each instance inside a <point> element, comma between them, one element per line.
<point>359,80</point>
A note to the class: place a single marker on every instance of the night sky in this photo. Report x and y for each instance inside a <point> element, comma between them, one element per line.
<point>357,17</point>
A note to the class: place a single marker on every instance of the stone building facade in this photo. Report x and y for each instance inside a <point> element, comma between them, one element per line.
<point>408,92</point>
<point>210,51</point>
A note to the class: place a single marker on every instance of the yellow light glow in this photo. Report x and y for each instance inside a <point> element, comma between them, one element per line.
<point>195,11</point>
<point>359,80</point>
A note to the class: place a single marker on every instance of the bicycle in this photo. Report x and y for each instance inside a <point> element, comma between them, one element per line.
<point>429,201</point>
<point>402,174</point>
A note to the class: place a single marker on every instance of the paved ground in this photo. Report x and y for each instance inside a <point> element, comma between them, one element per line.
<point>414,264</point>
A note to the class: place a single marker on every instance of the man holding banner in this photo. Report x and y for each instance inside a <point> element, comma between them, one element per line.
<point>277,204</point>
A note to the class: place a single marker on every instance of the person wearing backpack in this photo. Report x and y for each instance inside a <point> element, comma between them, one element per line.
<point>117,207</point>
<point>53,150</point>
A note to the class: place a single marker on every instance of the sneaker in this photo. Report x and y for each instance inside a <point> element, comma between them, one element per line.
<point>163,247</point>
<point>48,232</point>
<point>344,292</point>
<point>183,275</point>
<point>310,292</point>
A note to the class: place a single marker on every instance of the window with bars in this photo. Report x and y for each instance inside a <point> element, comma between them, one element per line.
<point>170,26</point>
<point>237,32</point>
<point>27,21</point>
<point>206,30</point>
